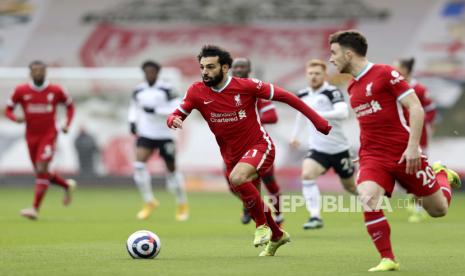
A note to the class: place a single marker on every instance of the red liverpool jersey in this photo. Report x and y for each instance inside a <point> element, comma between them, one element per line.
<point>39,106</point>
<point>374,96</point>
<point>231,113</point>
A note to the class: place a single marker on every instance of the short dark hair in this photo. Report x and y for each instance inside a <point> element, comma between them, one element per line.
<point>224,57</point>
<point>37,62</point>
<point>352,39</point>
<point>408,63</point>
<point>151,63</point>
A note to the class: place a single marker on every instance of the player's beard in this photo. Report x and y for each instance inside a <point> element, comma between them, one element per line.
<point>211,82</point>
<point>345,67</point>
<point>39,81</point>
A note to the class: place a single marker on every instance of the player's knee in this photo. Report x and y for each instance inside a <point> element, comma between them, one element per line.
<point>369,200</point>
<point>41,170</point>
<point>309,175</point>
<point>237,178</point>
<point>438,211</point>
<point>350,187</point>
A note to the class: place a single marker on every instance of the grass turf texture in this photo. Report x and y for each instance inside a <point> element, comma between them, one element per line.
<point>88,238</point>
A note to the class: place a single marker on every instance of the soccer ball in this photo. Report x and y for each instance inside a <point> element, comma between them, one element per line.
<point>143,244</point>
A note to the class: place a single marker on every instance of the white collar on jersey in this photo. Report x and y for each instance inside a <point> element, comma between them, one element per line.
<point>319,90</point>
<point>39,88</point>
<point>364,71</point>
<point>224,87</point>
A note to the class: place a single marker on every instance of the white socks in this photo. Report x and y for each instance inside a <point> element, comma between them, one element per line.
<point>175,185</point>
<point>143,181</point>
<point>311,194</point>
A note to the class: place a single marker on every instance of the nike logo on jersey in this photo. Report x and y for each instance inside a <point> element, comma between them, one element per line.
<point>208,102</point>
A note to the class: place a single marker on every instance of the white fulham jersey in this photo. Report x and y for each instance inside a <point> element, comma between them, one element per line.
<point>323,101</point>
<point>149,108</point>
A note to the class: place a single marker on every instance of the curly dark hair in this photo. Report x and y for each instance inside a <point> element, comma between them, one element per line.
<point>151,63</point>
<point>352,39</point>
<point>224,57</point>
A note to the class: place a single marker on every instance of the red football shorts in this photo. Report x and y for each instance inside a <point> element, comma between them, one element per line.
<point>41,148</point>
<point>422,183</point>
<point>260,156</point>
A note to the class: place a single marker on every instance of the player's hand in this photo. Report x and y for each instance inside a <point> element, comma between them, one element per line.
<point>412,157</point>
<point>356,160</point>
<point>133,128</point>
<point>174,122</point>
<point>294,144</point>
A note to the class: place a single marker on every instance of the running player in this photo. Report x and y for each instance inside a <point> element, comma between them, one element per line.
<point>151,102</point>
<point>405,68</point>
<point>228,104</point>
<point>326,151</point>
<point>389,149</point>
<point>39,100</point>
<point>241,68</point>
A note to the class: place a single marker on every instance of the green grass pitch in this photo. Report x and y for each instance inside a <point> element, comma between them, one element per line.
<point>88,238</point>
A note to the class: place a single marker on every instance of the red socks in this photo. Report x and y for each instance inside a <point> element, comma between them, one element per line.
<point>58,180</point>
<point>252,201</point>
<point>273,189</point>
<point>380,232</point>
<point>276,232</point>
<point>41,186</point>
<point>441,178</point>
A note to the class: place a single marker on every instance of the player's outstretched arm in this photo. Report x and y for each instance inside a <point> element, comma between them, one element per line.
<point>284,96</point>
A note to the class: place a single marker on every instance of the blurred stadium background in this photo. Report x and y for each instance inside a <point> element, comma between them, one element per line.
<point>95,48</point>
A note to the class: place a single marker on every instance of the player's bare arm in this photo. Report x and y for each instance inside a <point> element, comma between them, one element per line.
<point>412,154</point>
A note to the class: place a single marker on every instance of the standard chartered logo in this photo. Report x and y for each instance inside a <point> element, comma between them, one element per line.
<point>375,106</point>
<point>227,117</point>
<point>367,108</point>
<point>242,114</point>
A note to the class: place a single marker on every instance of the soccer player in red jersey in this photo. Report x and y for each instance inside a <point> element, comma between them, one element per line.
<point>241,68</point>
<point>405,68</point>
<point>389,149</point>
<point>229,105</point>
<point>39,100</point>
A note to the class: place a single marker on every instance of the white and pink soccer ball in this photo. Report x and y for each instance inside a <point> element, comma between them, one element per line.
<point>143,244</point>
